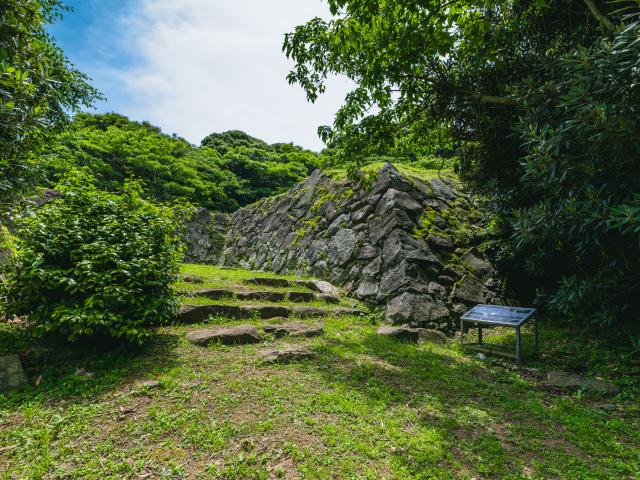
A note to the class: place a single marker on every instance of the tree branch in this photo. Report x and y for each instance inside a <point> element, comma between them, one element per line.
<point>602,18</point>
<point>495,100</point>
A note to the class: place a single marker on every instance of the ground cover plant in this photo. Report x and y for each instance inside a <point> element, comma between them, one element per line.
<point>365,407</point>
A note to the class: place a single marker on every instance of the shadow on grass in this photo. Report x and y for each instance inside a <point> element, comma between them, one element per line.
<point>59,370</point>
<point>491,421</point>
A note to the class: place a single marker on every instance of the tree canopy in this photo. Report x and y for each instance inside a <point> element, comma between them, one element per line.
<point>539,102</point>
<point>39,88</point>
<point>229,170</point>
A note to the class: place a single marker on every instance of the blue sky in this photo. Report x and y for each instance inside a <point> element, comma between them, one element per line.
<point>197,66</point>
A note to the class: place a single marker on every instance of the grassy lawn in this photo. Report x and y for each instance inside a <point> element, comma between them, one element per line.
<point>366,407</point>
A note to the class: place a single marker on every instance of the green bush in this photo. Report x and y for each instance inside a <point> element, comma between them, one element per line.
<point>94,262</point>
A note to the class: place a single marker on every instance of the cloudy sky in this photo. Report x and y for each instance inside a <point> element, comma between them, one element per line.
<point>194,67</point>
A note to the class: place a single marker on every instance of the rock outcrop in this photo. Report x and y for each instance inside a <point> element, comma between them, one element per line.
<point>403,243</point>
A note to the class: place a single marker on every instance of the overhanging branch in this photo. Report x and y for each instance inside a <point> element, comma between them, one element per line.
<point>602,18</point>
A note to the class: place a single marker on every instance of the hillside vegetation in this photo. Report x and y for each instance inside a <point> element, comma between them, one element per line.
<point>228,170</point>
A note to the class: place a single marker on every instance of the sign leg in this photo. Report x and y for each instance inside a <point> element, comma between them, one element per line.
<point>479,334</point>
<point>518,345</point>
<point>461,332</point>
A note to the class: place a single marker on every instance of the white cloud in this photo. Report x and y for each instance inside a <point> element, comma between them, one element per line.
<point>214,65</point>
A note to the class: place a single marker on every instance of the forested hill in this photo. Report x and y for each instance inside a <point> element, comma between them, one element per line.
<point>228,170</point>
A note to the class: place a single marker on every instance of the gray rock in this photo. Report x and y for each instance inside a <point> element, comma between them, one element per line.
<point>193,279</point>
<point>294,329</point>
<point>373,268</point>
<point>480,268</point>
<point>394,199</point>
<point>11,373</point>
<point>150,384</point>
<point>342,246</point>
<point>401,278</point>
<point>404,334</point>
<point>388,177</point>
<point>433,336</point>
<point>417,309</point>
<point>304,311</point>
<point>323,287</point>
<point>286,354</point>
<point>361,214</point>
<point>241,334</point>
<point>368,289</point>
<point>580,382</point>
<point>301,296</point>
<point>470,290</point>
<point>263,311</point>
<point>368,251</point>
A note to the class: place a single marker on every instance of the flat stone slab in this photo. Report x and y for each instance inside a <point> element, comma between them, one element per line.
<point>263,296</point>
<point>214,293</point>
<point>200,313</point>
<point>11,373</point>
<point>241,334</point>
<point>572,381</point>
<point>264,311</point>
<point>294,329</point>
<point>301,296</point>
<point>269,282</point>
<point>303,311</point>
<point>286,354</point>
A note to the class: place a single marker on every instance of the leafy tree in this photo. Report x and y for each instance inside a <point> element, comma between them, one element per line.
<point>38,89</point>
<point>113,149</point>
<point>577,229</point>
<point>539,101</point>
<point>223,142</point>
<point>92,262</point>
<point>433,66</point>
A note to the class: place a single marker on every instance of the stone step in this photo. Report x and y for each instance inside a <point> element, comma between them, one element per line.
<point>200,313</point>
<point>266,296</point>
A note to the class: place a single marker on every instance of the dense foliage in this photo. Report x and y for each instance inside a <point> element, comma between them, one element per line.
<point>92,262</point>
<point>229,170</point>
<point>579,221</point>
<point>38,89</point>
<point>539,101</point>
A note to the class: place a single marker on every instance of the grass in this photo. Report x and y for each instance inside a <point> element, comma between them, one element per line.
<point>215,277</point>
<point>407,169</point>
<point>366,407</point>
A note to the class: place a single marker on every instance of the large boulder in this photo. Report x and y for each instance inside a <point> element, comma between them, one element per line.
<point>11,373</point>
<point>572,381</point>
<point>418,309</point>
<point>342,246</point>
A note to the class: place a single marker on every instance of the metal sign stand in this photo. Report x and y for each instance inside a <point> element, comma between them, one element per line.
<point>499,315</point>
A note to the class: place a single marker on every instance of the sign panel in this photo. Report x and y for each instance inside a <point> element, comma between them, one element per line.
<point>499,315</point>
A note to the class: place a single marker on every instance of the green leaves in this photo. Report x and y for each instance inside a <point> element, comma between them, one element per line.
<point>92,262</point>
<point>38,90</point>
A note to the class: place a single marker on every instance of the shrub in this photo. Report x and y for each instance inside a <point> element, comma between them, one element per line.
<point>95,262</point>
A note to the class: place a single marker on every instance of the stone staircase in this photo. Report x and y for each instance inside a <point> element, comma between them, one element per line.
<point>289,304</point>
<point>265,298</point>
